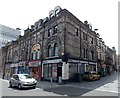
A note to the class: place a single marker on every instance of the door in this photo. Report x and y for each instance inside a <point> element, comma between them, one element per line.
<point>59,71</point>
<point>15,80</point>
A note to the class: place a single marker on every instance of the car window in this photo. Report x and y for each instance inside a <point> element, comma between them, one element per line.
<point>16,77</point>
<point>25,77</point>
<point>87,73</point>
<point>94,73</point>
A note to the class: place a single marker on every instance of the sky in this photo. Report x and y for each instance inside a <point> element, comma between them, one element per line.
<point>102,14</point>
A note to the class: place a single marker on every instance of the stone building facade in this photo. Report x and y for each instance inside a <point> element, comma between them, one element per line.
<point>57,46</point>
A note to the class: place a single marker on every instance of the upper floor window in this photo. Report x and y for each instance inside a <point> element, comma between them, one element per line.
<point>84,36</point>
<point>49,51</point>
<point>85,53</point>
<point>56,48</point>
<point>56,12</point>
<point>49,32</point>
<point>38,54</point>
<point>76,31</point>
<point>92,41</point>
<point>34,55</point>
<point>51,16</point>
<point>55,29</point>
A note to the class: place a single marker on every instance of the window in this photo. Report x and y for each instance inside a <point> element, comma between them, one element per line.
<point>91,40</point>
<point>55,29</point>
<point>56,12</point>
<point>49,51</point>
<point>85,53</point>
<point>76,31</point>
<point>91,55</point>
<point>34,55</point>
<point>56,49</point>
<point>49,32</point>
<point>84,36</point>
<point>51,15</point>
<point>38,54</point>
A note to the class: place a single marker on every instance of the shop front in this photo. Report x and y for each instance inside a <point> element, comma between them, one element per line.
<point>52,69</point>
<point>104,70</point>
<point>35,69</point>
<point>21,68</point>
<point>7,70</point>
<point>14,68</point>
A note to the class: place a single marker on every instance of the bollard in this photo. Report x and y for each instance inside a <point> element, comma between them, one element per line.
<point>51,81</point>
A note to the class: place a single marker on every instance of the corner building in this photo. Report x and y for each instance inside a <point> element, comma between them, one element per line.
<point>60,46</point>
<point>57,46</point>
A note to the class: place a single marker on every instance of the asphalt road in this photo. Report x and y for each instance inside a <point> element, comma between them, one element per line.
<point>106,86</point>
<point>6,91</point>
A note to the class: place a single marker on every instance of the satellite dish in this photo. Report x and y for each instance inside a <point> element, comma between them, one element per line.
<point>51,14</point>
<point>57,9</point>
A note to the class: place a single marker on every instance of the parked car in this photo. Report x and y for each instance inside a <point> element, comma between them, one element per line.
<point>22,81</point>
<point>91,75</point>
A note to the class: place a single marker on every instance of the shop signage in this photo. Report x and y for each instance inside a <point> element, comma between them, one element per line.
<point>52,61</point>
<point>14,65</point>
<point>103,65</point>
<point>21,63</point>
<point>34,63</point>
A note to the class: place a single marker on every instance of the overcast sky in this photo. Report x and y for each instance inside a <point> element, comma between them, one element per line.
<point>102,14</point>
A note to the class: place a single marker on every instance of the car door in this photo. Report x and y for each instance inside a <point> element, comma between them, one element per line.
<point>16,80</point>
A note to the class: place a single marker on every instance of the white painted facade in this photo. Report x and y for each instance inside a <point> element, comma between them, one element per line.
<point>8,34</point>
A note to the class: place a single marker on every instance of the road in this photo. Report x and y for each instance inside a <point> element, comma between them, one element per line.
<point>106,86</point>
<point>6,91</point>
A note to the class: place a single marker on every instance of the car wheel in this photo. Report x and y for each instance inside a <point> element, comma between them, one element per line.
<point>34,87</point>
<point>93,79</point>
<point>19,86</point>
<point>10,84</point>
<point>99,78</point>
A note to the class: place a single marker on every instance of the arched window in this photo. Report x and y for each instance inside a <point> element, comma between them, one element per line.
<point>38,54</point>
<point>49,51</point>
<point>34,55</point>
<point>56,48</point>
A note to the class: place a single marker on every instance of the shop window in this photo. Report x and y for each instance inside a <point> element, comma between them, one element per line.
<point>56,48</point>
<point>54,71</point>
<point>49,51</point>
<point>47,71</point>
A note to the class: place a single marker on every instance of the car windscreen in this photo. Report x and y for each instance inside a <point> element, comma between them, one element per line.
<point>25,77</point>
<point>94,73</point>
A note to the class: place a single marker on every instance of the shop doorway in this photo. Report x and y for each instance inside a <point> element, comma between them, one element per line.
<point>59,71</point>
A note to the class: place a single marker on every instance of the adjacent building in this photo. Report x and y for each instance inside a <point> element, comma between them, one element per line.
<point>7,34</point>
<point>57,46</point>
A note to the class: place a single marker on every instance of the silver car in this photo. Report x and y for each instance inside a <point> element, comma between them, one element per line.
<point>22,81</point>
